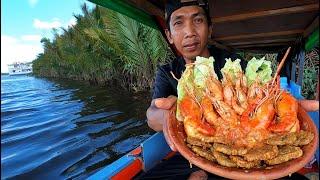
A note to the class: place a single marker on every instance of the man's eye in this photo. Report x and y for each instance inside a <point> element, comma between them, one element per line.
<point>177,23</point>
<point>198,20</point>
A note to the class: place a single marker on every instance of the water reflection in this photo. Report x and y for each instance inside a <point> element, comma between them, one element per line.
<point>67,129</point>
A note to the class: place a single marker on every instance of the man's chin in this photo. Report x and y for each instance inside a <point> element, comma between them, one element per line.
<point>192,57</point>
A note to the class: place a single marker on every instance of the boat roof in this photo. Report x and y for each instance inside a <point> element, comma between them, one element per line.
<point>250,24</point>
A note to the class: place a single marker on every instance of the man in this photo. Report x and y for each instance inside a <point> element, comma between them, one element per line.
<point>189,27</point>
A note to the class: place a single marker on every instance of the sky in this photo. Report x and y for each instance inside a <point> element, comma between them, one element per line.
<point>25,22</point>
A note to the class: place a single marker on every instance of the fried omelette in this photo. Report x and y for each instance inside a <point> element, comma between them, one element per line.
<point>197,142</point>
<point>203,153</point>
<point>282,139</point>
<point>229,150</point>
<point>262,153</point>
<point>303,138</point>
<point>223,159</point>
<point>241,162</point>
<point>286,153</point>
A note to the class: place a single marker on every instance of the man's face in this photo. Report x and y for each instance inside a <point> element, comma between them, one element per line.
<point>189,31</point>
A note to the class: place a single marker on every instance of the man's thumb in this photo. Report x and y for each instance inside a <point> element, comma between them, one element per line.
<point>165,103</point>
<point>309,105</point>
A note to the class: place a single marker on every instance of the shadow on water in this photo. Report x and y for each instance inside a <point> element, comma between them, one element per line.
<point>61,129</point>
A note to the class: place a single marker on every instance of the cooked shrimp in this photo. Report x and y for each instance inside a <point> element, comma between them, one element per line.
<point>226,113</point>
<point>264,115</point>
<point>241,89</point>
<point>236,107</point>
<point>286,108</point>
<point>228,91</point>
<point>214,88</point>
<point>209,113</point>
<point>255,92</point>
<point>191,111</point>
<point>199,130</point>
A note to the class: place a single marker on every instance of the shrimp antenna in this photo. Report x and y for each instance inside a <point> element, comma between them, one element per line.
<point>281,64</point>
<point>174,77</point>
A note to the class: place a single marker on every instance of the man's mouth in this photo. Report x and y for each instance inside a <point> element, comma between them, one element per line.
<point>191,46</point>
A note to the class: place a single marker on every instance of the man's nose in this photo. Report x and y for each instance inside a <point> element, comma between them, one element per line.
<point>190,30</point>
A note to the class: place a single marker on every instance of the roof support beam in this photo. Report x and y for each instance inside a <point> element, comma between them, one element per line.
<point>311,27</point>
<point>261,41</point>
<point>273,12</point>
<point>219,45</point>
<point>260,45</point>
<point>258,35</point>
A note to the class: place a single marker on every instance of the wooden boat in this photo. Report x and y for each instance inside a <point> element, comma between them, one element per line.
<point>245,25</point>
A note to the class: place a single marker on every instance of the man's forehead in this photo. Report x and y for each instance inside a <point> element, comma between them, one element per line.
<point>187,11</point>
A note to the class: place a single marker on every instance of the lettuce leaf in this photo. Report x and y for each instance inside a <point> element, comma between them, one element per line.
<point>185,82</point>
<point>232,68</point>
<point>258,69</point>
<point>202,70</point>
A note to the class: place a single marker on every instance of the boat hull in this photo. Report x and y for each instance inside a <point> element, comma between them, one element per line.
<point>19,73</point>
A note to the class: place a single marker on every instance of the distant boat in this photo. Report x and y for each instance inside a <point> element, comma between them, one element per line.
<point>19,68</point>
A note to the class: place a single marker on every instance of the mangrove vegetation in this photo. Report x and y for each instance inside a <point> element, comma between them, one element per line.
<point>104,47</point>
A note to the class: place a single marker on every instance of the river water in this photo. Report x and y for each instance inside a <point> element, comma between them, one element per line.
<point>59,129</point>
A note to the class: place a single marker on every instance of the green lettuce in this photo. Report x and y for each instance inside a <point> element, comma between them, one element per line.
<point>185,83</point>
<point>258,69</point>
<point>203,69</point>
<point>232,68</point>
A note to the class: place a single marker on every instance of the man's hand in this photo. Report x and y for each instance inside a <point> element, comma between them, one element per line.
<point>157,114</point>
<point>309,105</point>
<point>165,103</point>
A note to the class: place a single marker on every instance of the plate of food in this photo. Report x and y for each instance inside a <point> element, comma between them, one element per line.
<point>242,127</point>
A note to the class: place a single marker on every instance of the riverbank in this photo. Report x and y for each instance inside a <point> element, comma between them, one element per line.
<point>104,47</point>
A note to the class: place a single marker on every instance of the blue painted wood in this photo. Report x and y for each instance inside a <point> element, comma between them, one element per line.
<point>284,83</point>
<point>112,169</point>
<point>154,149</point>
<point>295,90</point>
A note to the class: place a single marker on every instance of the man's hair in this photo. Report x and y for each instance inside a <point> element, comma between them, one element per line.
<point>173,5</point>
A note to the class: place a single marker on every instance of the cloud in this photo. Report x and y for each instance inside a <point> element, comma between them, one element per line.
<point>32,3</point>
<point>18,49</point>
<point>46,25</point>
<point>72,22</point>
<point>30,37</point>
<point>8,39</point>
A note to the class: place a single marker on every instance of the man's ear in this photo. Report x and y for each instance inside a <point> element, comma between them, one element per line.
<point>169,36</point>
